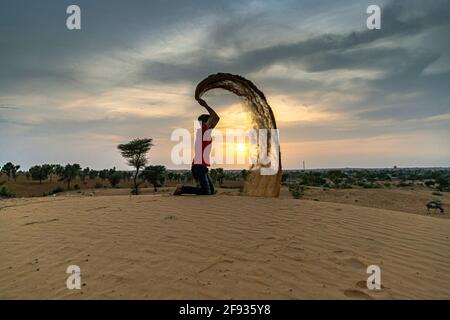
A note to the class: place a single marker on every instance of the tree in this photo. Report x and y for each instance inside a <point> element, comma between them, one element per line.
<point>114,177</point>
<point>213,174</point>
<point>443,183</point>
<point>135,152</point>
<point>84,173</point>
<point>39,173</point>
<point>58,169</point>
<point>156,175</point>
<point>220,175</point>
<point>126,175</point>
<point>103,174</point>
<point>48,170</point>
<point>69,173</point>
<point>7,169</point>
<point>187,176</point>
<point>93,174</point>
<point>10,170</point>
<point>244,174</point>
<point>177,176</point>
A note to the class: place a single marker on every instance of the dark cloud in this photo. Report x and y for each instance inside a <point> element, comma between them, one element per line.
<point>397,74</point>
<point>325,52</point>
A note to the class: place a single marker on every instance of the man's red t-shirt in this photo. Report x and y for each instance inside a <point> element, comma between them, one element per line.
<point>202,135</point>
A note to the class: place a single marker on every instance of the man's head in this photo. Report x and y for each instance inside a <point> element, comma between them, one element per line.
<point>203,118</point>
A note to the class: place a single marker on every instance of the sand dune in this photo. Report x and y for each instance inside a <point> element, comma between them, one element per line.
<point>224,247</point>
<point>406,200</point>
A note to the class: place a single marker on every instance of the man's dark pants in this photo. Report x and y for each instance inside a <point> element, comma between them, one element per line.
<point>204,183</point>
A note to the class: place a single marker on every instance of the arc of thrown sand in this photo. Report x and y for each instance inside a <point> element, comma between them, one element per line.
<point>262,118</point>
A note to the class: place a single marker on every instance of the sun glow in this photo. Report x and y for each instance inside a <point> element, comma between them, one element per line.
<point>241,148</point>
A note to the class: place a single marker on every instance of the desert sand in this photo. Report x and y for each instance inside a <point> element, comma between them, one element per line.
<point>218,247</point>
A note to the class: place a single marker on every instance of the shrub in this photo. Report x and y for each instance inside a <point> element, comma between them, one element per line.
<point>55,191</point>
<point>114,178</point>
<point>5,193</point>
<point>98,185</point>
<point>436,193</point>
<point>405,184</point>
<point>296,190</point>
<point>429,183</point>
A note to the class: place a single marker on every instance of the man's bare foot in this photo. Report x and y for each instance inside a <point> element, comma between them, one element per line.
<point>177,191</point>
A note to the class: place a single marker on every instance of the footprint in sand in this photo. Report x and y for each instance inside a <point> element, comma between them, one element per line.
<point>363,285</point>
<point>347,258</point>
<point>354,262</point>
<point>356,294</point>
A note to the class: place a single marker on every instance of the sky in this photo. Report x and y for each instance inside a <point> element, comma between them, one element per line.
<point>342,95</point>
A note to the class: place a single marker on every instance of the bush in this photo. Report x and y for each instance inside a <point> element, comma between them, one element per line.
<point>55,191</point>
<point>405,184</point>
<point>429,183</point>
<point>5,193</point>
<point>296,190</point>
<point>98,185</point>
<point>436,193</point>
<point>114,178</point>
<point>76,187</point>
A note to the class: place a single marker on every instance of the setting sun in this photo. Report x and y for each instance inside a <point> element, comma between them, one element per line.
<point>241,148</point>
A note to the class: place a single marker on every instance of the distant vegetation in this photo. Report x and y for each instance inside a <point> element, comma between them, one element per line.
<point>50,179</point>
<point>436,179</point>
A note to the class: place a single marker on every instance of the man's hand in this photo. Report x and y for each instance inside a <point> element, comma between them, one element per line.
<point>214,118</point>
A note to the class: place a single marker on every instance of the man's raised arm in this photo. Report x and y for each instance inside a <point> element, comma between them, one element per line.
<point>214,118</point>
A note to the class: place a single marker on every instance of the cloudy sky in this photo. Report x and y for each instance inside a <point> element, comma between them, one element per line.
<point>343,95</point>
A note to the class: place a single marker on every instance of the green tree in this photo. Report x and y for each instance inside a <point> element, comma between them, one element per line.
<point>220,175</point>
<point>48,169</point>
<point>93,174</point>
<point>58,169</point>
<point>103,174</point>
<point>39,173</point>
<point>10,170</point>
<point>187,176</point>
<point>84,173</point>
<point>135,152</point>
<point>125,175</point>
<point>114,177</point>
<point>336,176</point>
<point>244,174</point>
<point>443,183</point>
<point>156,175</point>
<point>69,173</point>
